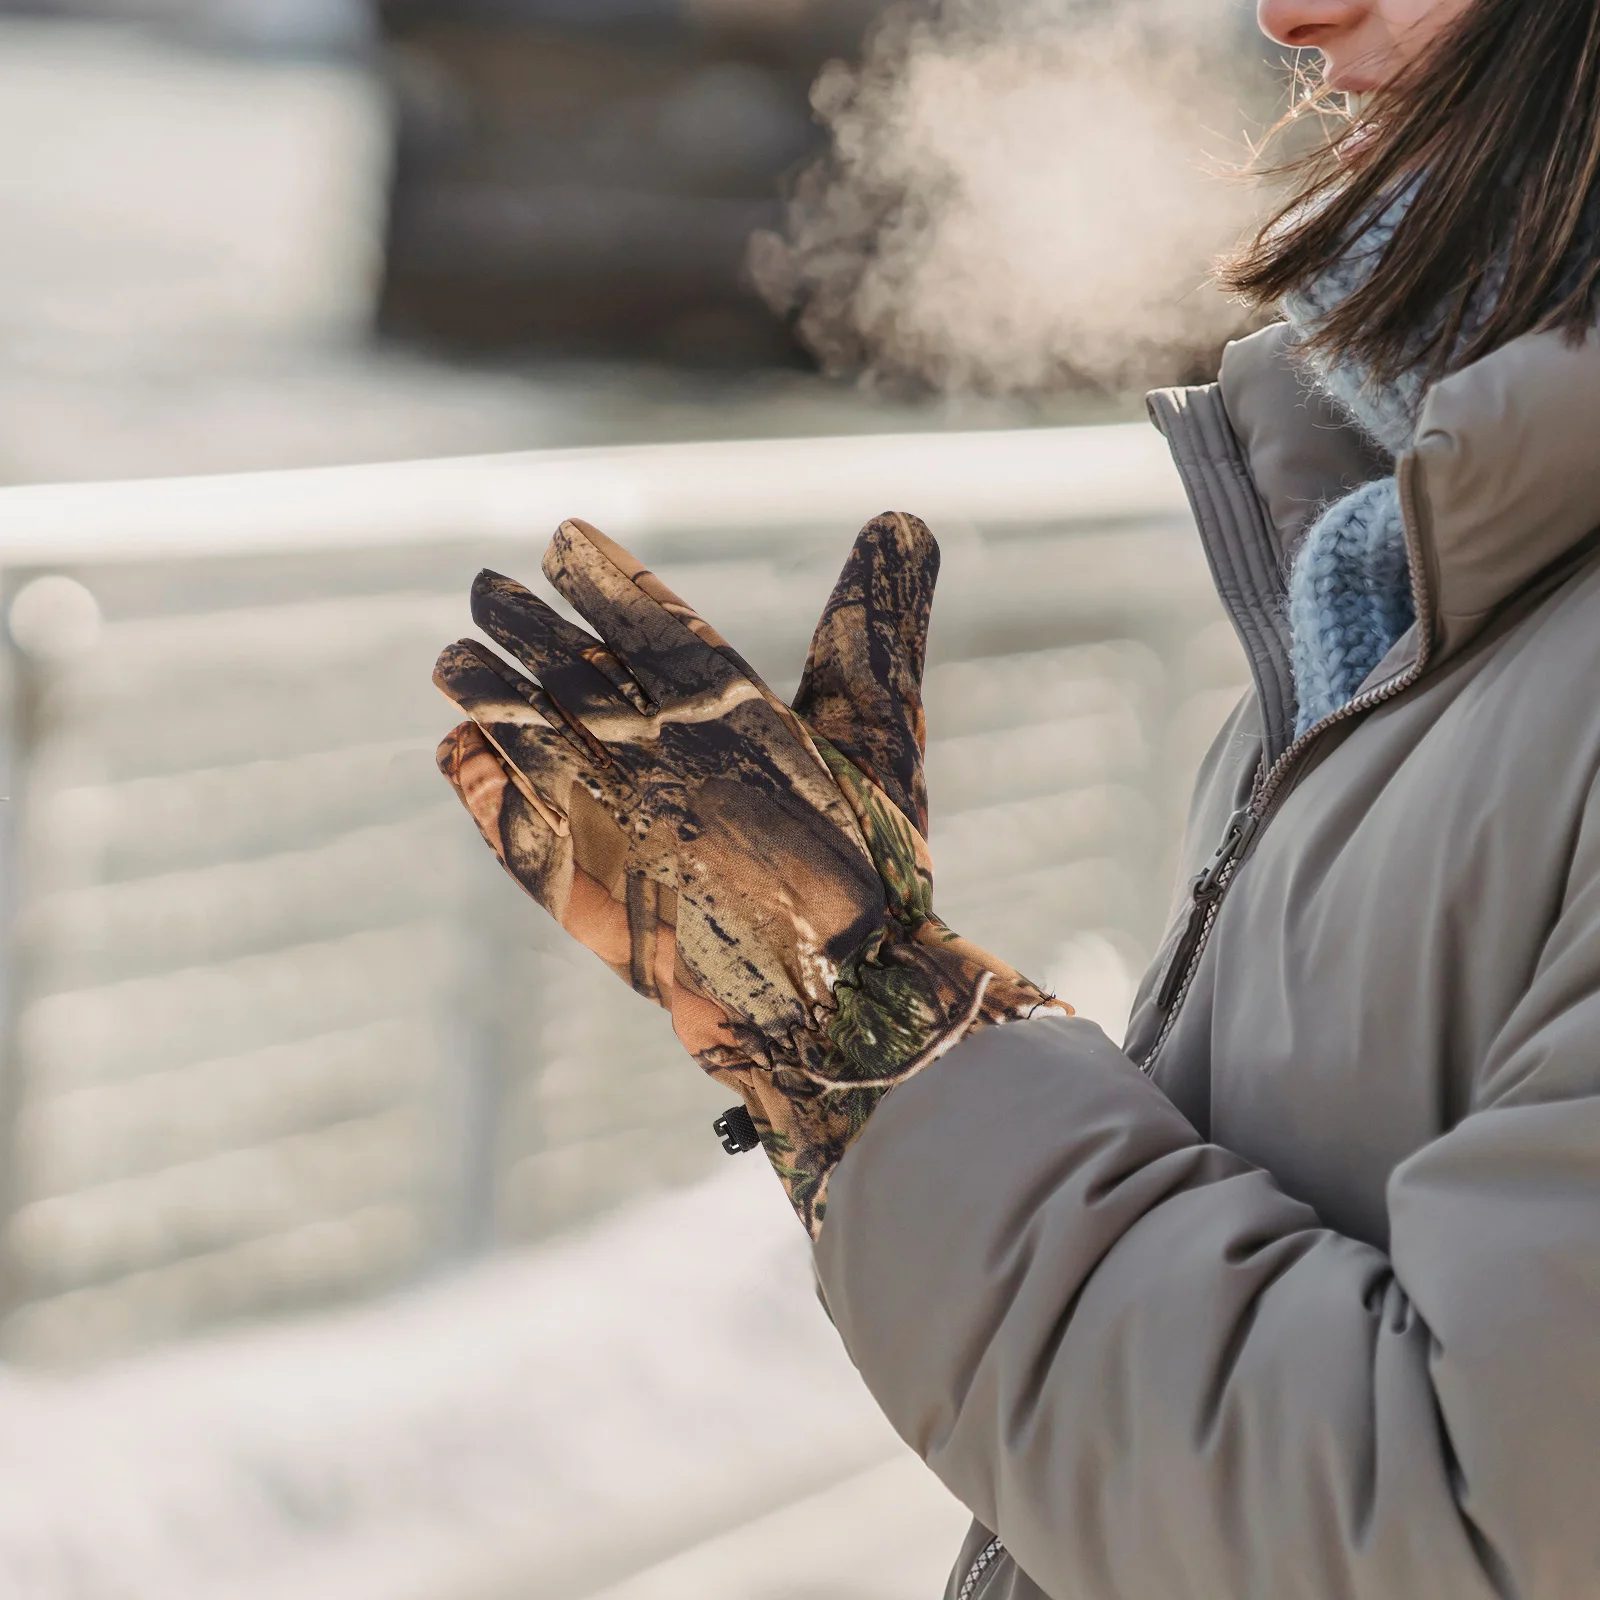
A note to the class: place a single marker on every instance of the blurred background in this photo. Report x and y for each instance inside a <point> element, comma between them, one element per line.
<point>358,1235</point>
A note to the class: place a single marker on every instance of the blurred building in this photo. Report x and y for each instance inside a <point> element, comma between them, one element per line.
<point>586,174</point>
<point>294,26</point>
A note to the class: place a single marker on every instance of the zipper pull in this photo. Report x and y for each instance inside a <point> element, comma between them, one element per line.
<point>1206,892</point>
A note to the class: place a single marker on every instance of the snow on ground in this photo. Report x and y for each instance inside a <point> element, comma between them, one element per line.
<point>545,1426</point>
<point>889,1533</point>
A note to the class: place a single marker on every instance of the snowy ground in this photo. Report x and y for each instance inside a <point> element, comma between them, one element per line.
<point>654,1410</point>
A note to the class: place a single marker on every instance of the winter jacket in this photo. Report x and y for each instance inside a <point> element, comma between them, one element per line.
<point>1297,1294</point>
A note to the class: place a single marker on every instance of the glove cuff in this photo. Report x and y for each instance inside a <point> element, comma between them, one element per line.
<point>906,998</point>
<point>911,995</point>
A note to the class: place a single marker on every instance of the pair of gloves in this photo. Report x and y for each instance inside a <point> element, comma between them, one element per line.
<point>759,870</point>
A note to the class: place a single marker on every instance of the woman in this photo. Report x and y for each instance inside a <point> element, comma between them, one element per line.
<point>1297,1293</point>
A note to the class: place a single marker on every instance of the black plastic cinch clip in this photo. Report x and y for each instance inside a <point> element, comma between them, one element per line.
<point>736,1128</point>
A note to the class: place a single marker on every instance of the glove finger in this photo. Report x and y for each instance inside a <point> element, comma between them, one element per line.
<point>862,685</point>
<point>628,922</point>
<point>577,669</point>
<point>546,751</point>
<point>513,826</point>
<point>673,652</point>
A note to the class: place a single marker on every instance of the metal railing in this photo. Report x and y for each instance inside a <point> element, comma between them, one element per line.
<point>277,1032</point>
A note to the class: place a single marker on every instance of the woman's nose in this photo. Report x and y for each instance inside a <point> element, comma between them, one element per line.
<point>1305,24</point>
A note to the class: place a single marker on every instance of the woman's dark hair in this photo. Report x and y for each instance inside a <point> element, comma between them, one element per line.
<point>1497,129</point>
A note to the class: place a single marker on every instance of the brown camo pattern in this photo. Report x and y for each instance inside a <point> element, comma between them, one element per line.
<point>761,882</point>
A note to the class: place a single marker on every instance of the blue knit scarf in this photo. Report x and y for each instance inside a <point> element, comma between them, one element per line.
<point>1350,582</point>
<point>1349,599</point>
<point>1350,594</point>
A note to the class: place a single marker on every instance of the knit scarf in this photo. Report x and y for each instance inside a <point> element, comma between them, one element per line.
<point>1350,582</point>
<point>1350,595</point>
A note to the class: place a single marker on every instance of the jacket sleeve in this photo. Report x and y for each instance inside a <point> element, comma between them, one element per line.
<point>1157,1376</point>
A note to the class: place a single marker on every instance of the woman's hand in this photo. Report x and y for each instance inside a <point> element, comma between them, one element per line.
<point>759,880</point>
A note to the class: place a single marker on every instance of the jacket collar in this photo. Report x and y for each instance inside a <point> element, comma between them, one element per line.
<point>1504,476</point>
<point>1299,448</point>
<point>1502,481</point>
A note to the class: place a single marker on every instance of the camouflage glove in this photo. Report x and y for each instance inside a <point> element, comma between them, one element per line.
<point>752,878</point>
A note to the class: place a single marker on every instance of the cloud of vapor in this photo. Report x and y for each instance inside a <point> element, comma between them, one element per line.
<point>1023,195</point>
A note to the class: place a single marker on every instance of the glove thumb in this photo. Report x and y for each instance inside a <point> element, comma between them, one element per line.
<point>862,685</point>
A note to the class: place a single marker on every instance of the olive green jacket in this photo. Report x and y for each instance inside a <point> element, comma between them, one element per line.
<point>1298,1293</point>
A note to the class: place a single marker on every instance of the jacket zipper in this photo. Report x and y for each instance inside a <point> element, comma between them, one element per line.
<point>981,1563</point>
<point>1211,885</point>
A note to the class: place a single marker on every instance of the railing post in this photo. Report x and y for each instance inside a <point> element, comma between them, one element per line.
<point>475,1041</point>
<point>18,709</point>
